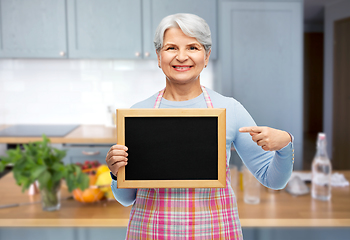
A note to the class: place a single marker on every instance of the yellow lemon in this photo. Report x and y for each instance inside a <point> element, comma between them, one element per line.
<point>101,169</point>
<point>104,179</point>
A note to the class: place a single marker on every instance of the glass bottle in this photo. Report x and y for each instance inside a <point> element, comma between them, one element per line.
<point>321,171</point>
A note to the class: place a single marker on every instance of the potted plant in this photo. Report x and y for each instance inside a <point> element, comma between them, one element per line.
<point>39,161</point>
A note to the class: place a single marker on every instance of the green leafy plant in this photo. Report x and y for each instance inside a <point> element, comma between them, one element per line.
<point>39,161</point>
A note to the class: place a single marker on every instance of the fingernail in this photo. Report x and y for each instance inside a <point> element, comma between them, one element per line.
<point>126,148</point>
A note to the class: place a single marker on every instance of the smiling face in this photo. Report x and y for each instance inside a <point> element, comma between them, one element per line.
<point>182,58</point>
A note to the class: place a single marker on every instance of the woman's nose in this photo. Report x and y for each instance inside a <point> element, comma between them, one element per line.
<point>181,56</point>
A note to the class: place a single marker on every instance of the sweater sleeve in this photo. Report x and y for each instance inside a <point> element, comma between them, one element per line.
<point>125,197</point>
<point>272,168</point>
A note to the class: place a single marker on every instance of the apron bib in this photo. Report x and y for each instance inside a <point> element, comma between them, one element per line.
<point>185,213</point>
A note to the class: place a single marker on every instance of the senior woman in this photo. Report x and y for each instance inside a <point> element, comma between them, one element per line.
<point>183,47</point>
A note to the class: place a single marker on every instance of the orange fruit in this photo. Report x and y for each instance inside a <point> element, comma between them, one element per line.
<point>88,195</point>
<point>77,194</point>
<point>92,195</point>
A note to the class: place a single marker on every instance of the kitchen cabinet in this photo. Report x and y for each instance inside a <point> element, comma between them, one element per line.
<point>117,29</point>
<point>104,29</point>
<point>79,153</point>
<point>125,29</point>
<point>33,29</point>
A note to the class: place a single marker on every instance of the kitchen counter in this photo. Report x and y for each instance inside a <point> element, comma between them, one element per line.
<point>98,134</point>
<point>277,209</point>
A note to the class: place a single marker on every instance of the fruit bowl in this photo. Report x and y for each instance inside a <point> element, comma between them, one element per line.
<point>100,182</point>
<point>90,195</point>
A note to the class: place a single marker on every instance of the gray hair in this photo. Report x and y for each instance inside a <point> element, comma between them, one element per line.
<point>190,24</point>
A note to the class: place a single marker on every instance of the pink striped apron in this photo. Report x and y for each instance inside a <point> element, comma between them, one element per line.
<point>185,213</point>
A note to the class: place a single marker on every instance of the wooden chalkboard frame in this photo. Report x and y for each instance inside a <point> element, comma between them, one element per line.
<point>218,113</point>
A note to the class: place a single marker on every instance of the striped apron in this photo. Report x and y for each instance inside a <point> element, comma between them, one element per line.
<point>185,213</point>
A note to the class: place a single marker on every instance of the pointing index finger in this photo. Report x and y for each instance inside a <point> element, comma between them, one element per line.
<point>250,129</point>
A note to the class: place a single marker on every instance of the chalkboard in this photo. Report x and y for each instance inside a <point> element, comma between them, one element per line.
<point>172,148</point>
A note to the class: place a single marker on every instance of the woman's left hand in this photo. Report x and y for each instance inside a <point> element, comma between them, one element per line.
<point>267,138</point>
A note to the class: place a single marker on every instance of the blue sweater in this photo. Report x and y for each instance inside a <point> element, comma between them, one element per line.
<point>272,169</point>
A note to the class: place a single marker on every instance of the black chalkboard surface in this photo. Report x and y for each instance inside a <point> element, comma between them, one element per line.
<point>179,148</point>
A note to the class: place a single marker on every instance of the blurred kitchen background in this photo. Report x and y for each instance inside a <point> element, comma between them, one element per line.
<point>286,61</point>
<point>68,62</point>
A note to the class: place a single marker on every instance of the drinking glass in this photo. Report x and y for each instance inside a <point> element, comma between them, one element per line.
<point>251,187</point>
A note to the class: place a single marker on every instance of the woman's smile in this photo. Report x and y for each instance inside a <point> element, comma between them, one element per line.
<point>182,68</point>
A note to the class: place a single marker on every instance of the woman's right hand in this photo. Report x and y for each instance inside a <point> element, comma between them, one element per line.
<point>116,158</point>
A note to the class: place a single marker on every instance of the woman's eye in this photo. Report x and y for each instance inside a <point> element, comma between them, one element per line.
<point>193,48</point>
<point>170,48</point>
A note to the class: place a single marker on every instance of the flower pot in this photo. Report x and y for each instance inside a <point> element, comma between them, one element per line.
<point>51,198</point>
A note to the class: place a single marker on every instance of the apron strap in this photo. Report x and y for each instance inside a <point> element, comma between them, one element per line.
<point>159,98</point>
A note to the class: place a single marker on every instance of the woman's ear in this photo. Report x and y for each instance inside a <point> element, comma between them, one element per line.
<point>158,57</point>
<point>207,55</point>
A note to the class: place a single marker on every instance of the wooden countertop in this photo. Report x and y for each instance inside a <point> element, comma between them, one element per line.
<point>98,134</point>
<point>277,209</point>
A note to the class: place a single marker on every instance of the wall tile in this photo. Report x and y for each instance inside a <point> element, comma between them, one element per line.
<point>75,91</point>
<point>13,86</point>
<point>5,75</point>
